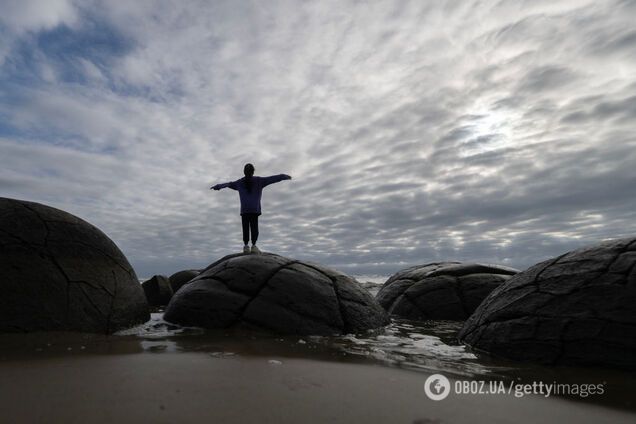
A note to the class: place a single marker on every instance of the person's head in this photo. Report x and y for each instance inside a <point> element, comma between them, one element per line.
<point>248,170</point>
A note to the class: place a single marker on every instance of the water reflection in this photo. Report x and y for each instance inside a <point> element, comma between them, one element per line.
<point>427,346</point>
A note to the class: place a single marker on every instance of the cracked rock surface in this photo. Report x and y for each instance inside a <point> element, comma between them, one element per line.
<point>275,293</point>
<point>62,273</point>
<point>578,308</point>
<point>441,290</point>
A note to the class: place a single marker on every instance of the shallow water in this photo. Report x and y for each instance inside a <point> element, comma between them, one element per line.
<point>426,347</point>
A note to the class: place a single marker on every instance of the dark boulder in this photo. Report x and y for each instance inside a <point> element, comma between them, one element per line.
<point>158,290</point>
<point>578,308</point>
<point>442,290</point>
<point>275,293</point>
<point>61,273</point>
<point>178,279</point>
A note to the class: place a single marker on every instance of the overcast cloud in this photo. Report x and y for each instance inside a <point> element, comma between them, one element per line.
<point>499,131</point>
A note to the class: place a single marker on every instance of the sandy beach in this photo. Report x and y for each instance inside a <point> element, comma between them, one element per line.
<point>74,378</point>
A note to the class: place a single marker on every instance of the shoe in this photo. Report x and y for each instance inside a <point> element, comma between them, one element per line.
<point>246,249</point>
<point>255,249</point>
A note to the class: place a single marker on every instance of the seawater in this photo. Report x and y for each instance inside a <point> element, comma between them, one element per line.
<point>426,347</point>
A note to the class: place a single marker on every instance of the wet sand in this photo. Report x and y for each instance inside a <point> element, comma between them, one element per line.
<point>188,387</point>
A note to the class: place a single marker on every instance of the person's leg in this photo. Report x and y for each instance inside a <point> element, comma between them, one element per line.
<point>245,220</point>
<point>254,228</point>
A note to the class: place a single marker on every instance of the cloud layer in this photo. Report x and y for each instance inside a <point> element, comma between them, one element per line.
<point>499,131</point>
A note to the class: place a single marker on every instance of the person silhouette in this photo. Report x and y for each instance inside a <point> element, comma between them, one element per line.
<point>250,189</point>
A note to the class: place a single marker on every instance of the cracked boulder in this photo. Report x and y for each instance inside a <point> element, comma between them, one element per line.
<point>158,290</point>
<point>275,293</point>
<point>441,291</point>
<point>578,308</point>
<point>61,273</point>
<point>179,279</point>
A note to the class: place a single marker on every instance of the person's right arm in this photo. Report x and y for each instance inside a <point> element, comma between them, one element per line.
<point>231,184</point>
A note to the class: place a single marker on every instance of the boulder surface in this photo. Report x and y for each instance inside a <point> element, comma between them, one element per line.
<point>62,273</point>
<point>578,308</point>
<point>275,293</point>
<point>158,290</point>
<point>178,279</point>
<point>441,290</point>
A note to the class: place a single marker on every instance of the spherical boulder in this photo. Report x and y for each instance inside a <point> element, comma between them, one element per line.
<point>578,308</point>
<point>441,290</point>
<point>275,293</point>
<point>61,273</point>
<point>158,290</point>
<point>178,279</point>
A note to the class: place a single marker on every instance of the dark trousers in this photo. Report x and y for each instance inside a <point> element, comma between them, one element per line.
<point>250,222</point>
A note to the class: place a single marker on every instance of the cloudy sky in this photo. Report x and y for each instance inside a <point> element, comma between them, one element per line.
<point>500,131</point>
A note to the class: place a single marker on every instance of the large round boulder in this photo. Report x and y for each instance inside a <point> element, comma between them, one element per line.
<point>158,290</point>
<point>61,273</point>
<point>179,279</point>
<point>275,293</point>
<point>441,290</point>
<point>578,308</point>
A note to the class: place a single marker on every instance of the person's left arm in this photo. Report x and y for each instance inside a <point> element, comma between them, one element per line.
<point>274,179</point>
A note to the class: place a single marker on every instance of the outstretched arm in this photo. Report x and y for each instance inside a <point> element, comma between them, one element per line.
<point>231,185</point>
<point>275,178</point>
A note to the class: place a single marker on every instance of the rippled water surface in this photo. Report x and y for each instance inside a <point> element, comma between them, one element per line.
<point>428,346</point>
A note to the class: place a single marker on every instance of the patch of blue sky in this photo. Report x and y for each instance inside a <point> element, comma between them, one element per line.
<point>93,41</point>
<point>51,137</point>
<point>63,48</point>
<point>100,45</point>
<point>61,55</point>
<point>7,130</point>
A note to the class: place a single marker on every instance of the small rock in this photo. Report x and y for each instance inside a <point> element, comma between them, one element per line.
<point>179,279</point>
<point>157,290</point>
